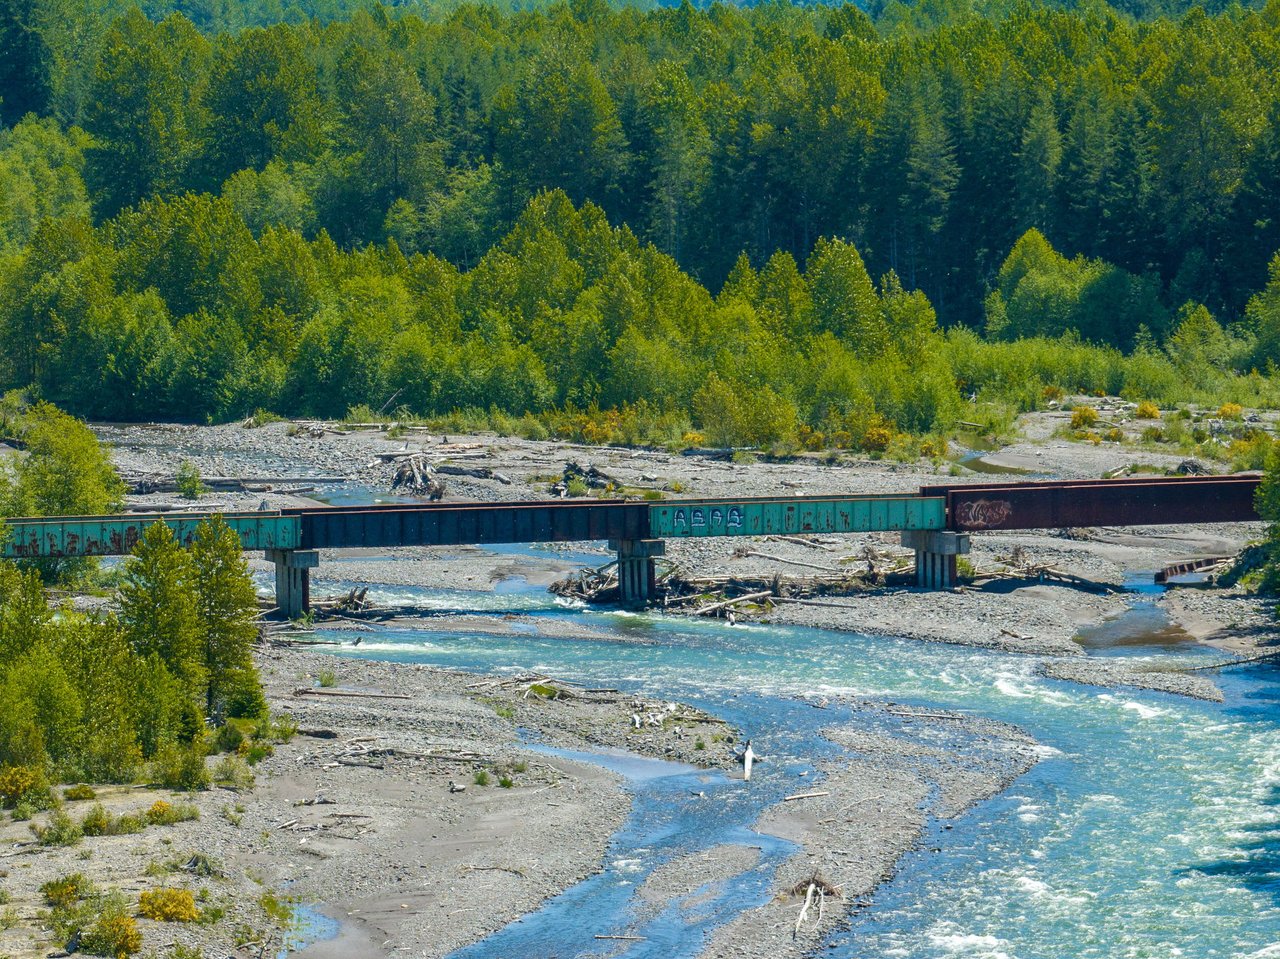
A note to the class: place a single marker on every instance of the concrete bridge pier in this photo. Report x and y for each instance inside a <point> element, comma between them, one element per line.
<point>636,569</point>
<point>293,579</point>
<point>936,552</point>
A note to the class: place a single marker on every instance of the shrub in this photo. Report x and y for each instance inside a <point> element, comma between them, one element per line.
<point>168,905</point>
<point>61,830</point>
<point>258,751</point>
<point>328,678</point>
<point>1147,411</point>
<point>9,918</point>
<point>481,778</point>
<point>876,439</point>
<point>1153,434</point>
<point>128,824</point>
<point>181,767</point>
<point>1083,417</point>
<point>1115,435</point>
<point>114,933</point>
<point>96,822</point>
<point>229,738</point>
<point>233,773</point>
<point>19,783</point>
<point>576,487</point>
<point>79,793</point>
<point>281,727</point>
<point>162,813</point>
<point>63,892</point>
<point>188,481</point>
<point>1230,411</point>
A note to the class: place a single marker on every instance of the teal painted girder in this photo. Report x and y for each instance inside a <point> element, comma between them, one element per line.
<point>117,535</point>
<point>755,517</point>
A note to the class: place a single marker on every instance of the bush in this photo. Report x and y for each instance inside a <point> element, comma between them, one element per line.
<point>327,679</point>
<point>481,778</point>
<point>162,813</point>
<point>22,783</point>
<point>181,767</point>
<point>79,793</point>
<point>63,892</point>
<point>1230,411</point>
<point>876,439</point>
<point>228,739</point>
<point>96,822</point>
<point>233,772</point>
<point>1083,417</point>
<point>61,830</point>
<point>168,905</point>
<point>114,933</point>
<point>1147,411</point>
<point>188,481</point>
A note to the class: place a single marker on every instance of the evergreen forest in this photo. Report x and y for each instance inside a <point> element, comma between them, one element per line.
<point>734,225</point>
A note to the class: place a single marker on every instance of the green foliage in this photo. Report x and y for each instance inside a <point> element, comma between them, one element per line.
<point>180,766</point>
<point>190,486</point>
<point>60,830</point>
<point>79,793</point>
<point>232,772</point>
<point>113,932</point>
<point>481,778</point>
<point>163,813</point>
<point>66,890</point>
<point>591,224</point>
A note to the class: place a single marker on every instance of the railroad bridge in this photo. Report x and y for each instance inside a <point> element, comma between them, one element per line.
<point>936,522</point>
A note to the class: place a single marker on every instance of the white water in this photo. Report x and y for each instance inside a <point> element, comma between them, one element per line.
<point>1149,829</point>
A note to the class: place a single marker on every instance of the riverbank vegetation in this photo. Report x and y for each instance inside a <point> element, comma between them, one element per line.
<point>111,696</point>
<point>778,225</point>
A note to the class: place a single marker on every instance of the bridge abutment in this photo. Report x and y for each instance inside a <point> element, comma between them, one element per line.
<point>936,552</point>
<point>293,579</point>
<point>637,572</point>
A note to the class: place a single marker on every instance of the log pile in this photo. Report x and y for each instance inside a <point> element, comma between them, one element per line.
<point>416,476</point>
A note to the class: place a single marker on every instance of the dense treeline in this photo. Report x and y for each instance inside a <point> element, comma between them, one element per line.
<point>323,214</point>
<point>177,309</point>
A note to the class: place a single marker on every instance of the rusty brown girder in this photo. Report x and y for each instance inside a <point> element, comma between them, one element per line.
<point>1080,503</point>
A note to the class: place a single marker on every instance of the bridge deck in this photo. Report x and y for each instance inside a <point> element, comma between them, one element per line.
<point>959,508</point>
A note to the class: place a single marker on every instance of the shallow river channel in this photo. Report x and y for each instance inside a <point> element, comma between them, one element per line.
<point>1151,827</point>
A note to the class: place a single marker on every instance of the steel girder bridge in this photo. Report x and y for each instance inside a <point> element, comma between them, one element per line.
<point>936,522</point>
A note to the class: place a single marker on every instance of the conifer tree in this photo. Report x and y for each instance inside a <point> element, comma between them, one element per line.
<point>226,605</point>
<point>158,609</point>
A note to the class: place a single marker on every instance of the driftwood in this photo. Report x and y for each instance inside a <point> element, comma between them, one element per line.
<point>812,795</point>
<point>347,693</point>
<point>149,483</point>
<point>790,562</point>
<point>717,607</point>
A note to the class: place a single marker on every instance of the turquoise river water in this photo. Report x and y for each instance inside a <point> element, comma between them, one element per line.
<point>1150,828</point>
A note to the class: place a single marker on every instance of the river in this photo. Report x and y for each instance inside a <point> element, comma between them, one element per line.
<point>1151,827</point>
